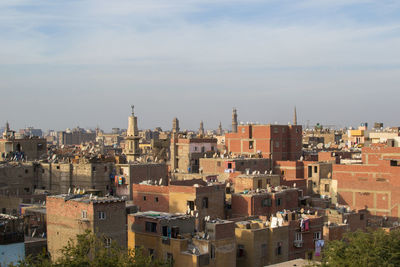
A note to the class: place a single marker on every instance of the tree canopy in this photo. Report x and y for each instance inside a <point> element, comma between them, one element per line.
<point>89,250</point>
<point>371,248</point>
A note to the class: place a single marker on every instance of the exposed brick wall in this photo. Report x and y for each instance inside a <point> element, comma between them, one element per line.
<point>250,139</point>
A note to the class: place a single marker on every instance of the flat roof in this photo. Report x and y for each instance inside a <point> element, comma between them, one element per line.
<point>87,198</point>
<point>161,215</point>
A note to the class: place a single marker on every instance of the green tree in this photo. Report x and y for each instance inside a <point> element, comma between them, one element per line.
<point>371,248</point>
<point>89,250</point>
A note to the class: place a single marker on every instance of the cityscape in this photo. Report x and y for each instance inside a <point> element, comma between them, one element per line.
<point>225,133</point>
<point>251,195</point>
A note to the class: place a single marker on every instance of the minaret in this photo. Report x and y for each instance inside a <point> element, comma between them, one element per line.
<point>132,151</point>
<point>295,116</point>
<point>175,125</point>
<point>234,121</point>
<point>6,130</point>
<point>173,147</point>
<point>220,131</point>
<point>201,129</point>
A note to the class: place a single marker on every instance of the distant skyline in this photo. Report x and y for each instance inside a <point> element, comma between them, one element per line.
<point>83,63</point>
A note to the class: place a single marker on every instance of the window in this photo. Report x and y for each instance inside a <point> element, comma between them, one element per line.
<point>144,198</point>
<point>102,215</point>
<point>219,164</point>
<point>317,236</point>
<point>203,149</point>
<point>26,171</point>
<point>195,148</point>
<point>156,199</point>
<point>165,230</point>
<point>229,165</point>
<point>205,202</point>
<point>107,242</point>
<point>315,169</point>
<point>327,188</point>
<point>240,251</point>
<point>151,227</point>
<point>266,202</point>
<point>264,250</point>
<point>170,259</point>
<point>259,184</point>
<point>276,130</point>
<point>279,248</point>
<point>58,167</point>
<point>243,130</point>
<point>361,216</point>
<point>276,144</point>
<point>298,237</point>
<point>278,202</point>
<point>84,214</point>
<point>212,252</point>
<point>151,253</point>
<point>4,210</point>
<point>251,144</point>
<point>309,171</point>
<point>190,204</point>
<point>105,168</point>
<point>212,148</point>
<point>93,168</point>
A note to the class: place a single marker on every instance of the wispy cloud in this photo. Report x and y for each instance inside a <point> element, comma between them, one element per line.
<point>273,49</point>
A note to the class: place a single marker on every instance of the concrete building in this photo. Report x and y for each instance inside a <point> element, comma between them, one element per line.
<point>58,178</point>
<point>252,182</point>
<point>304,232</point>
<point>170,237</point>
<point>231,165</point>
<point>186,152</point>
<point>276,142</point>
<point>76,136</point>
<point>260,244</point>
<point>70,215</point>
<point>26,148</point>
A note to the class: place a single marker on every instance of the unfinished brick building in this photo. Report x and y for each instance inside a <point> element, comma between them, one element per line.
<point>276,142</point>
<point>198,199</point>
<point>69,215</point>
<point>373,185</point>
<point>264,202</point>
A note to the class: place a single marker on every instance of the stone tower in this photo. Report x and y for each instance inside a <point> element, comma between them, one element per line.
<point>131,150</point>
<point>220,131</point>
<point>295,116</point>
<point>173,146</point>
<point>175,125</point>
<point>234,121</point>
<point>201,129</point>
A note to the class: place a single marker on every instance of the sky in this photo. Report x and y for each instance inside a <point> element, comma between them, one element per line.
<point>68,63</point>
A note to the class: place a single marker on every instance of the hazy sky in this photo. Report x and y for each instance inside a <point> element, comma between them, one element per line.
<point>84,62</point>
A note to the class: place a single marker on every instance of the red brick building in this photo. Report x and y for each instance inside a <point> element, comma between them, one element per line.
<point>276,142</point>
<point>374,184</point>
<point>198,199</point>
<point>264,203</point>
